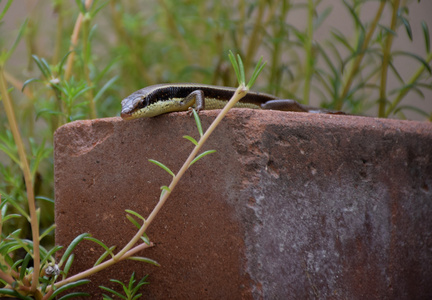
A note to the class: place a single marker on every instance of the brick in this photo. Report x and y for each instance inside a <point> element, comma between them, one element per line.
<point>291,206</point>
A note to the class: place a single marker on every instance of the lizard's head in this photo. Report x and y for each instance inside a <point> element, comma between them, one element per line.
<point>134,105</point>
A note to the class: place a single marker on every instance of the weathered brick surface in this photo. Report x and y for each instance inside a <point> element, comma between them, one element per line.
<point>292,205</point>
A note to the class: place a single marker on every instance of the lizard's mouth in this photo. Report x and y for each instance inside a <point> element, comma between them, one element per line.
<point>126,116</point>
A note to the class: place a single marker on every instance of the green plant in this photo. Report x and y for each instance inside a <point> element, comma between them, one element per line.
<point>130,290</point>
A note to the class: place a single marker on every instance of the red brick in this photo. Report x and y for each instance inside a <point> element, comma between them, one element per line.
<point>292,205</point>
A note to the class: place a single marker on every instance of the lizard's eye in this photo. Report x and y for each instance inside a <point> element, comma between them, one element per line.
<point>140,102</point>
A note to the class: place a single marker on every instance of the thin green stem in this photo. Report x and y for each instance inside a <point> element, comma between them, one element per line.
<point>280,37</point>
<point>124,38</point>
<point>7,102</point>
<point>59,32</point>
<point>359,58</point>
<point>74,41</point>
<point>309,59</point>
<point>172,26</point>
<point>255,37</point>
<point>86,58</point>
<point>386,60</point>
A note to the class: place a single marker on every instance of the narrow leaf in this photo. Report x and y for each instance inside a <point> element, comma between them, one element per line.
<point>135,214</point>
<point>407,27</point>
<point>10,217</point>
<point>5,9</point>
<point>201,156</point>
<point>198,122</point>
<point>41,67</point>
<point>24,265</point>
<point>99,242</point>
<point>145,239</point>
<point>47,231</point>
<point>417,57</point>
<point>11,292</point>
<point>426,35</point>
<point>81,6</point>
<point>45,199</point>
<point>258,68</point>
<point>72,246</point>
<point>74,295</point>
<point>47,66</point>
<point>94,12</point>
<point>342,39</point>
<point>234,64</point>
<point>104,88</point>
<point>113,292</point>
<point>29,81</point>
<point>242,71</point>
<point>161,165</point>
<point>412,108</point>
<point>20,33</point>
<point>68,286</point>
<point>50,254</point>
<point>191,139</point>
<point>63,61</point>
<point>145,259</point>
<point>164,189</point>
<point>104,255</point>
<point>133,221</point>
<point>320,19</point>
<point>68,265</point>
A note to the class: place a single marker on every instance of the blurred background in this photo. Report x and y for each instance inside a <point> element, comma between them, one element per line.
<point>79,59</point>
<point>144,43</point>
